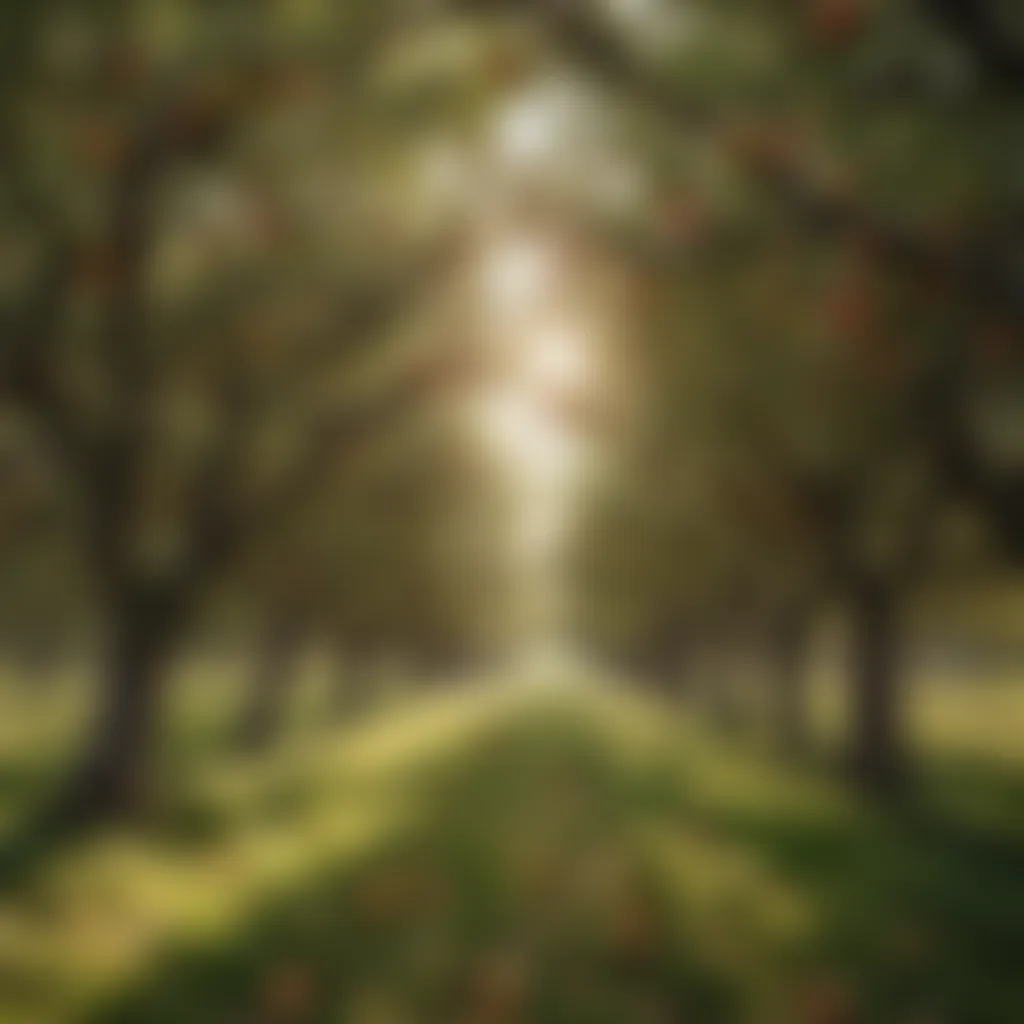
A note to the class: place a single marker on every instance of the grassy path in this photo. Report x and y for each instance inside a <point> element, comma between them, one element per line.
<point>534,857</point>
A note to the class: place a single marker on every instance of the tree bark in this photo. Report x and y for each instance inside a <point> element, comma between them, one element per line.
<point>263,713</point>
<point>114,779</point>
<point>879,755</point>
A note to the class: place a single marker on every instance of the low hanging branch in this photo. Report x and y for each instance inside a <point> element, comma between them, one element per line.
<point>226,527</point>
<point>975,264</point>
<point>977,25</point>
<point>222,521</point>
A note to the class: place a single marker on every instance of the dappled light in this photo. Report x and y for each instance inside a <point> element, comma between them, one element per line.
<point>511,511</point>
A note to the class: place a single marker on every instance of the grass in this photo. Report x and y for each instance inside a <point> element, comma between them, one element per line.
<point>533,854</point>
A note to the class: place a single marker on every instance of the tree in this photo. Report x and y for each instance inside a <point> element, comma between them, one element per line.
<point>192,310</point>
<point>817,144</point>
<point>359,572</point>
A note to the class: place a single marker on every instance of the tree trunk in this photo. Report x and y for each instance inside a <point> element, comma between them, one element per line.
<point>878,756</point>
<point>263,713</point>
<point>788,653</point>
<point>114,780</point>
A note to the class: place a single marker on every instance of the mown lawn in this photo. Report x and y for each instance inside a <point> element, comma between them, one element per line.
<point>523,853</point>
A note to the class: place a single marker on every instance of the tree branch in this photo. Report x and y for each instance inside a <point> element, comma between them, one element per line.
<point>977,26</point>
<point>226,527</point>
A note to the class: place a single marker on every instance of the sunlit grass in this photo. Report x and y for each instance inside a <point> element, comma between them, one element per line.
<point>525,853</point>
<point>243,828</point>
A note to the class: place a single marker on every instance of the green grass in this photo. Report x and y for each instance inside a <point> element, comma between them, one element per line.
<point>524,854</point>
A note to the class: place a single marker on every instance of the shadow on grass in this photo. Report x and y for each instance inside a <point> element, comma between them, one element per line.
<point>517,889</point>
<point>512,895</point>
<point>920,904</point>
<point>181,817</point>
<point>34,845</point>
